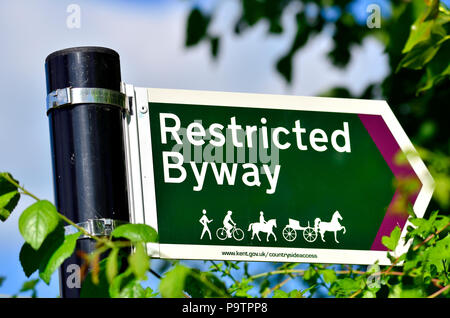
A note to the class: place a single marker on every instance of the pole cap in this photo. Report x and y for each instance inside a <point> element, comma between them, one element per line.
<point>86,66</point>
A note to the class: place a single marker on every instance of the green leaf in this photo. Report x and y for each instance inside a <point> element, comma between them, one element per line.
<point>112,266</point>
<point>347,286</point>
<point>329,275</point>
<point>2,279</point>
<point>369,294</point>
<point>280,294</point>
<point>421,54</point>
<point>402,291</point>
<point>391,241</point>
<point>136,233</point>
<point>432,11</point>
<point>424,25</point>
<point>439,254</point>
<point>139,262</point>
<point>7,203</point>
<point>126,285</point>
<point>173,282</point>
<point>420,31</point>
<point>284,67</point>
<point>133,290</point>
<point>37,221</point>
<point>196,29</point>
<point>118,282</point>
<point>5,185</point>
<point>295,294</point>
<point>436,71</point>
<point>64,251</point>
<point>32,260</point>
<point>29,285</point>
<point>150,293</point>
<point>243,288</point>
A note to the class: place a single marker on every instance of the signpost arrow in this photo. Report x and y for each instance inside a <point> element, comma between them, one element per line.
<point>235,176</point>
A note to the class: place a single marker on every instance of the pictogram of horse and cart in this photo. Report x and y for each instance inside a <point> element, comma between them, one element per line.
<point>310,233</point>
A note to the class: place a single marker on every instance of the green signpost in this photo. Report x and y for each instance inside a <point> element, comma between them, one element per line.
<point>257,177</point>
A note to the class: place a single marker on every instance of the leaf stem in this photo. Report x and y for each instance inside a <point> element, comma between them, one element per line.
<point>276,287</point>
<point>440,291</point>
<point>278,272</point>
<point>61,216</point>
<point>14,183</point>
<point>415,248</point>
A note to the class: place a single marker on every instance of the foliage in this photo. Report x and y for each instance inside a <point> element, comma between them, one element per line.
<point>425,264</point>
<point>47,246</point>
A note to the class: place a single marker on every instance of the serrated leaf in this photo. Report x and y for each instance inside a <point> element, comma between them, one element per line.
<point>439,254</point>
<point>391,241</point>
<point>64,251</point>
<point>136,233</point>
<point>139,262</point>
<point>150,293</point>
<point>37,221</point>
<point>173,282</point>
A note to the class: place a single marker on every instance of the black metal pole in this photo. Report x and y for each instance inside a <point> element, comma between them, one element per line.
<point>87,145</point>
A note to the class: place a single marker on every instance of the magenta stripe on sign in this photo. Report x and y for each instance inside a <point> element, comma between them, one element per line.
<point>388,147</point>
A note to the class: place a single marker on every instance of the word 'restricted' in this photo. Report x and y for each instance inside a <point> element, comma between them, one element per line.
<point>241,136</point>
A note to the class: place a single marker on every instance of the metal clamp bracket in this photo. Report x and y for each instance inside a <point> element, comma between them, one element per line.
<point>96,227</point>
<point>85,95</point>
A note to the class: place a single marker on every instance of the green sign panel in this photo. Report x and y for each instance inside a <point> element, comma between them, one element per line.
<point>272,178</point>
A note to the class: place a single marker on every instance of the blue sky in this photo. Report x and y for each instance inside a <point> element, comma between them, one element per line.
<point>149,36</point>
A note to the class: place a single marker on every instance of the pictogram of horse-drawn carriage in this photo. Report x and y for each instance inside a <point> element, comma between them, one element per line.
<point>290,231</point>
<point>310,233</point>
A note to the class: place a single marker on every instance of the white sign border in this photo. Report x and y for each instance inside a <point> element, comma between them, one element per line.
<point>140,115</point>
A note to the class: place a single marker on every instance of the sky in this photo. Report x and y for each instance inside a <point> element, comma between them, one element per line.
<point>149,36</point>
